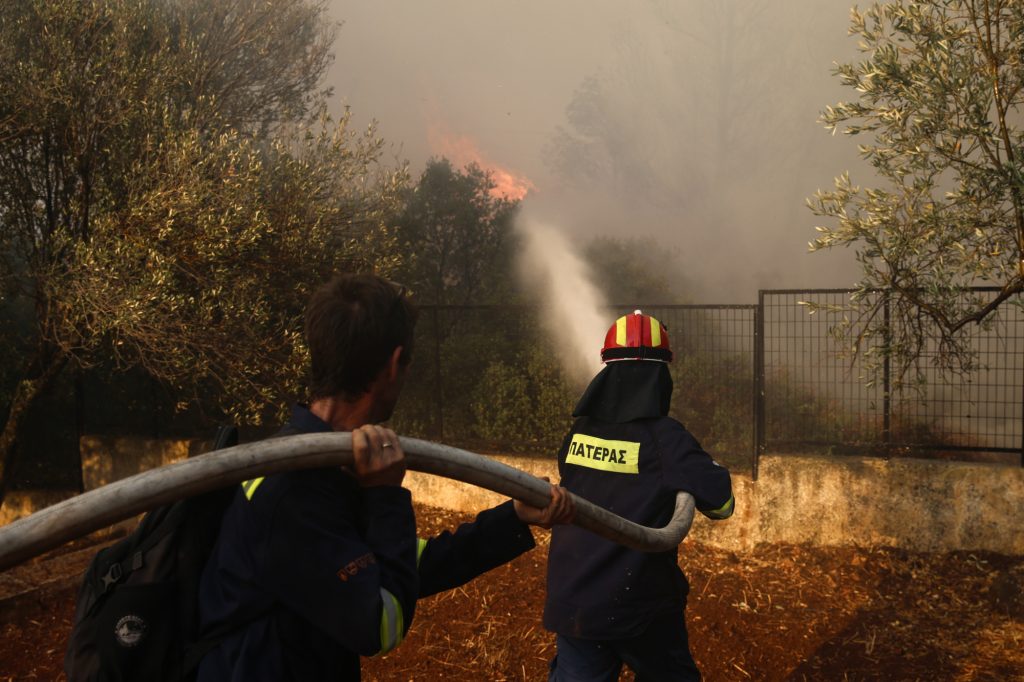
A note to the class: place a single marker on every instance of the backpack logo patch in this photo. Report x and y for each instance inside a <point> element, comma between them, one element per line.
<point>130,630</point>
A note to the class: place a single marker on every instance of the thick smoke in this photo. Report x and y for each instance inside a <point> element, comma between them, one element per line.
<point>690,122</point>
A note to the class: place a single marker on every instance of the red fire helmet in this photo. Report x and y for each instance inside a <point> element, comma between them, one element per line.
<point>636,337</point>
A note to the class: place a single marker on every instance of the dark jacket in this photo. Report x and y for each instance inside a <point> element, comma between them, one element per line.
<point>597,589</point>
<point>326,571</point>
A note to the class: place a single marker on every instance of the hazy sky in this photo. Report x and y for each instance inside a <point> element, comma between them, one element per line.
<point>693,121</point>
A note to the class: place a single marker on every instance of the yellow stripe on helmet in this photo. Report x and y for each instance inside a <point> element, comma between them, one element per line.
<point>620,331</point>
<point>655,333</point>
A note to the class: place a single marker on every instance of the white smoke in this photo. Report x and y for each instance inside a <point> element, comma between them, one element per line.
<point>574,313</point>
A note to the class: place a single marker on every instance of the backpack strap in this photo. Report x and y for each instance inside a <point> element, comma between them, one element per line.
<point>227,436</point>
<point>119,570</point>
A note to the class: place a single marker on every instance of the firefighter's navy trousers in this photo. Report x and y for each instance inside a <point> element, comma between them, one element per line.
<point>662,652</point>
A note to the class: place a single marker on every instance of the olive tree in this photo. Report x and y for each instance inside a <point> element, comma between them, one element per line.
<point>170,188</point>
<point>646,271</point>
<point>458,234</point>
<point>940,99</point>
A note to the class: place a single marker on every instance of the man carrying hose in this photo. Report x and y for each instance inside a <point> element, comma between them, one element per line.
<point>315,568</point>
<point>608,604</point>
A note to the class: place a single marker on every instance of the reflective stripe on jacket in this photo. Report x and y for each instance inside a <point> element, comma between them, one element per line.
<point>335,568</point>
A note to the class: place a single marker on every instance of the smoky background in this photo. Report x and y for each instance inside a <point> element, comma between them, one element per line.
<point>690,122</point>
<point>693,123</point>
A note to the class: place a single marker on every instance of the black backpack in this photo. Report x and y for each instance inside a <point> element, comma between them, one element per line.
<point>137,616</point>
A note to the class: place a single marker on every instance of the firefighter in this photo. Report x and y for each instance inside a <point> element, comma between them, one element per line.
<point>610,605</point>
<point>313,569</point>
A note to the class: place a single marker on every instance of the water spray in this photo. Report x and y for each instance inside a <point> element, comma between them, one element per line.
<point>572,312</point>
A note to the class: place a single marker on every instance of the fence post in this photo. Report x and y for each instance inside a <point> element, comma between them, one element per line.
<point>886,378</point>
<point>759,406</point>
<point>439,401</point>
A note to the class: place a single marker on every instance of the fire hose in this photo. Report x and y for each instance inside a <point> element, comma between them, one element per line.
<point>80,515</point>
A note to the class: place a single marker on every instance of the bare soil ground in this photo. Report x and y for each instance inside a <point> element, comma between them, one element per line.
<point>778,613</point>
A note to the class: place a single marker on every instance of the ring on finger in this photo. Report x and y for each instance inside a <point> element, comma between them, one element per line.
<point>386,445</point>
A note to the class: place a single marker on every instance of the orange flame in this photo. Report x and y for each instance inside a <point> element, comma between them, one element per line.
<point>461,150</point>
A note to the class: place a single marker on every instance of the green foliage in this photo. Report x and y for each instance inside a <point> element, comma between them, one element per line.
<point>459,243</point>
<point>203,277</point>
<point>941,95</point>
<point>500,404</point>
<point>494,387</point>
<point>645,270</point>
<point>712,396</point>
<point>170,189</point>
<point>524,402</point>
<point>458,235</point>
<point>254,64</point>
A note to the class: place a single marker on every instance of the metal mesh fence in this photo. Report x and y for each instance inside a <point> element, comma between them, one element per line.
<point>480,380</point>
<point>818,393</point>
<point>748,379</point>
<point>485,379</point>
<point>713,375</point>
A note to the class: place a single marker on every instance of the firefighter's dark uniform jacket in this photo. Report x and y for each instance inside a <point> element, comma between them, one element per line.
<point>324,571</point>
<point>597,589</point>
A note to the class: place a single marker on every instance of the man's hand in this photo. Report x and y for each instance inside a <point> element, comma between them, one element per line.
<point>559,510</point>
<point>379,459</point>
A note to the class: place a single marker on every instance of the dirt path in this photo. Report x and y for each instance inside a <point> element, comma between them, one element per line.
<point>779,613</point>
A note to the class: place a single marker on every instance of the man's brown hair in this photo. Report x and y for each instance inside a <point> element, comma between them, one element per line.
<point>353,325</point>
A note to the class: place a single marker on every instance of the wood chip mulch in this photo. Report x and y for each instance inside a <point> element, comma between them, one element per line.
<point>777,613</point>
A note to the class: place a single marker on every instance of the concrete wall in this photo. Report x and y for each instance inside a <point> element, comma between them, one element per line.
<point>913,504</point>
<point>104,459</point>
<point>921,505</point>
<point>19,503</point>
<point>111,458</point>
